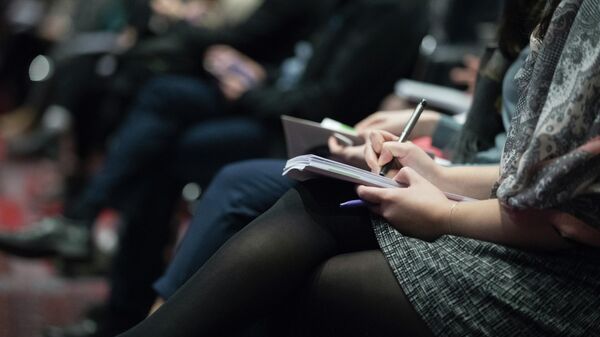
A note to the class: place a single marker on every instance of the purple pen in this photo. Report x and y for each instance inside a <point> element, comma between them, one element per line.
<point>353,204</point>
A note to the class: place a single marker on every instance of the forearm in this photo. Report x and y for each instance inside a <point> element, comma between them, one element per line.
<point>487,220</point>
<point>472,181</point>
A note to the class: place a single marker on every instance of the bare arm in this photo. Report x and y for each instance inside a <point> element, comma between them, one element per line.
<point>422,210</point>
<point>542,229</point>
<point>473,181</point>
<point>487,220</point>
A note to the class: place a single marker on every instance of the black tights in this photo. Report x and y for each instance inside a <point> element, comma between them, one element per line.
<point>303,253</point>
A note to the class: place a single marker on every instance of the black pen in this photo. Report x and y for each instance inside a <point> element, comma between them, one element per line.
<point>406,132</point>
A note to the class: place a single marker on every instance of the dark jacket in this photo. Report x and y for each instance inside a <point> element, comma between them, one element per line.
<point>268,35</point>
<point>358,55</point>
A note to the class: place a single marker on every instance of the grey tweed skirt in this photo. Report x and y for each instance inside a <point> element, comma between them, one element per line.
<point>464,287</point>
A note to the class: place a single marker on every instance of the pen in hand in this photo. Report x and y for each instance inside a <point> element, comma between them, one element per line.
<point>406,132</point>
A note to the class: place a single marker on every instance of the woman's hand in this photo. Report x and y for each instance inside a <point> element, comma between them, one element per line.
<point>420,210</point>
<point>352,155</point>
<point>383,147</point>
<point>395,121</point>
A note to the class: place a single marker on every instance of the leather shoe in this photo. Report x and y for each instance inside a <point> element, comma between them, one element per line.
<point>56,236</point>
<point>84,328</point>
<point>98,322</point>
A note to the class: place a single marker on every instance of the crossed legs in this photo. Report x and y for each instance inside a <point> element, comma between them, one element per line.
<point>303,243</point>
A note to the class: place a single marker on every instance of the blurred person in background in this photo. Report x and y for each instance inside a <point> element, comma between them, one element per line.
<point>395,269</point>
<point>242,191</point>
<point>356,57</point>
<point>103,51</point>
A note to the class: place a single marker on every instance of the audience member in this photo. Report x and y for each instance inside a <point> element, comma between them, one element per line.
<point>181,121</point>
<point>487,265</point>
<point>241,192</point>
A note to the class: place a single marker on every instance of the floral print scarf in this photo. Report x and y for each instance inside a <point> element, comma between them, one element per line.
<point>552,156</point>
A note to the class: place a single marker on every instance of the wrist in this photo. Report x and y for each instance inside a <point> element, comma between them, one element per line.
<point>440,177</point>
<point>450,226</point>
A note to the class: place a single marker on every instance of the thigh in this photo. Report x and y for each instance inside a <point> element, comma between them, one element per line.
<point>356,294</point>
<point>207,146</point>
<point>185,99</point>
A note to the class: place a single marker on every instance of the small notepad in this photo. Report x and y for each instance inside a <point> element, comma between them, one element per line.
<point>302,136</point>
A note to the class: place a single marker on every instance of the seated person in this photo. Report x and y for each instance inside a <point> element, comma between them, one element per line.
<point>242,191</point>
<point>413,256</point>
<point>211,14</point>
<point>182,122</point>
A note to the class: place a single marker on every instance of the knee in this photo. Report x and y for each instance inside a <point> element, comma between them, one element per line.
<point>233,187</point>
<point>346,283</point>
<point>167,94</point>
<point>156,88</point>
<point>331,286</point>
<point>233,176</point>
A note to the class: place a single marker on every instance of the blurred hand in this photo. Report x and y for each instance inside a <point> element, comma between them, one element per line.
<point>394,102</point>
<point>235,72</point>
<point>173,9</point>
<point>352,155</point>
<point>394,122</point>
<point>420,210</point>
<point>191,11</point>
<point>466,75</point>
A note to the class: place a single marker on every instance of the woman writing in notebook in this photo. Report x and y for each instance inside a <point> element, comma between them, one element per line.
<point>523,262</point>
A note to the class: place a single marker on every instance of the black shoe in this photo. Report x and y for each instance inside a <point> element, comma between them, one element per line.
<point>58,236</point>
<point>84,328</point>
<point>97,323</point>
<point>35,144</point>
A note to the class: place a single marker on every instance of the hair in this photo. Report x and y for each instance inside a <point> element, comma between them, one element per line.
<point>518,21</point>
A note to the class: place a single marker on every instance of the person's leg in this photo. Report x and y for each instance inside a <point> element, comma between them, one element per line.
<point>356,294</point>
<point>148,203</point>
<point>206,147</point>
<point>238,194</point>
<point>264,263</point>
<point>146,231</point>
<point>164,109</point>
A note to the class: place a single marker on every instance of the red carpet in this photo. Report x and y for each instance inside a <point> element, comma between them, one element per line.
<point>32,293</point>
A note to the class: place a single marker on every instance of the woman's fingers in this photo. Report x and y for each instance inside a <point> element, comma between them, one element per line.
<point>379,137</point>
<point>375,141</point>
<point>408,176</point>
<point>372,195</point>
<point>391,150</point>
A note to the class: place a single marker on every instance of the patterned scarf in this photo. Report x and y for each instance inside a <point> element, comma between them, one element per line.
<point>552,155</point>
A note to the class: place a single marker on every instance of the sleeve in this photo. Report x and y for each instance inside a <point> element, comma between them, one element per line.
<point>586,208</point>
<point>378,46</point>
<point>272,24</point>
